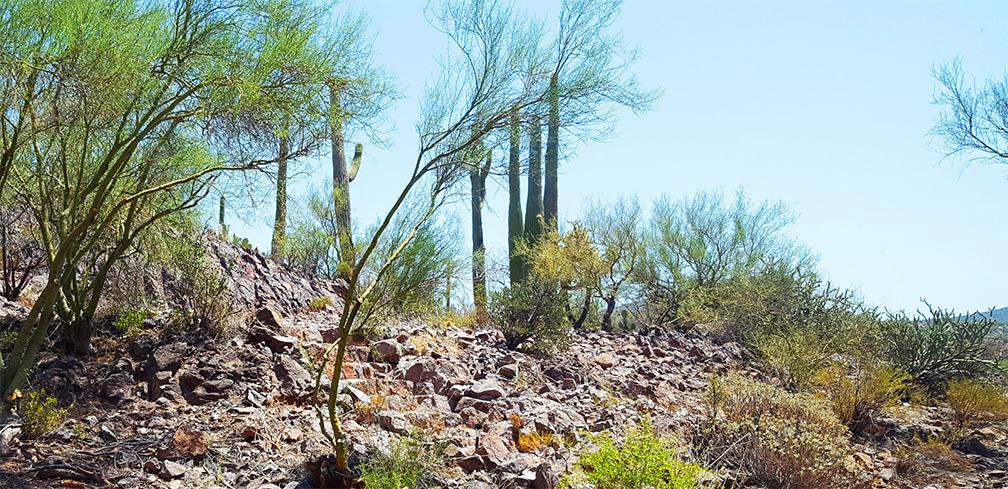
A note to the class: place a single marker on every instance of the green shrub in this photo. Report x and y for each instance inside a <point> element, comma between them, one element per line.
<point>776,438</point>
<point>131,322</point>
<point>410,459</point>
<point>319,303</point>
<point>941,347</point>
<point>859,395</point>
<point>39,414</point>
<point>972,400</point>
<point>199,290</point>
<point>533,311</point>
<point>640,460</point>
<point>417,281</point>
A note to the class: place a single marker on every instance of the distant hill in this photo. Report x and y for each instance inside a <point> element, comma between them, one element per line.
<point>1001,315</point>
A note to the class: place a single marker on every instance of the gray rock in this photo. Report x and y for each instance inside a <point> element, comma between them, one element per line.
<point>393,421</point>
<point>486,390</point>
<point>172,470</point>
<point>166,358</point>
<point>295,381</point>
<point>545,478</point>
<point>118,387</point>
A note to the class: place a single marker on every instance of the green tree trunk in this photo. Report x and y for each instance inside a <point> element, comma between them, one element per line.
<point>552,157</point>
<point>477,178</point>
<point>280,219</point>
<point>515,231</point>
<point>534,201</point>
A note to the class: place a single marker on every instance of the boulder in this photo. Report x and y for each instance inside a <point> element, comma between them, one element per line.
<point>295,381</point>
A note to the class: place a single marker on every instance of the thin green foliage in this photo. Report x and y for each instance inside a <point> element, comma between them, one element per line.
<point>641,459</point>
<point>39,414</point>
<point>410,459</point>
<point>972,400</point>
<point>858,392</point>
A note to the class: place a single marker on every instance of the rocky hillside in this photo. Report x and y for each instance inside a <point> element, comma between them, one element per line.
<point>182,411</point>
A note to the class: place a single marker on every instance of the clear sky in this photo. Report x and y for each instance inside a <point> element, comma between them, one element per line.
<point>822,105</point>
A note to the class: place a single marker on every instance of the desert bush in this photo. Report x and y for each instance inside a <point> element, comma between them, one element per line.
<point>793,321</point>
<point>311,236</point>
<point>859,392</point>
<point>199,291</point>
<point>939,347</point>
<point>641,459</point>
<point>705,241</point>
<point>533,311</point>
<point>776,438</point>
<point>39,414</point>
<point>972,400</point>
<point>130,322</point>
<point>417,282</point>
<point>411,458</point>
<point>319,303</point>
<point>21,252</point>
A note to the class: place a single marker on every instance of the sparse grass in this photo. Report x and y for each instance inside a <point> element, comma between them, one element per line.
<point>858,393</point>
<point>535,441</point>
<point>972,400</point>
<point>778,439</point>
<point>319,303</point>
<point>465,319</point>
<point>411,458</point>
<point>922,457</point>
<point>369,410</point>
<point>641,460</point>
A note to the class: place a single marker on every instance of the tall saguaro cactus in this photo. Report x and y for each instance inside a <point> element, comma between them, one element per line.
<point>534,201</point>
<point>552,156</point>
<point>477,178</point>
<point>515,231</point>
<point>280,219</point>
<point>341,183</point>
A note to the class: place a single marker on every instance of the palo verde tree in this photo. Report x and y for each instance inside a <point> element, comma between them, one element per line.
<point>976,118</point>
<point>616,231</point>
<point>115,114</point>
<point>588,79</point>
<point>471,100</point>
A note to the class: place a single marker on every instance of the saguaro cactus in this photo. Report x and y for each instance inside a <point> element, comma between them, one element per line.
<point>534,202</point>
<point>223,227</point>
<point>280,219</point>
<point>515,230</point>
<point>477,178</point>
<point>341,184</point>
<point>552,156</point>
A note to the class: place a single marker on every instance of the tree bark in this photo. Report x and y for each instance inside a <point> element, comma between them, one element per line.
<point>610,307</point>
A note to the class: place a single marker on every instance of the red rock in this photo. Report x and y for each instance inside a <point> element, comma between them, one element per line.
<point>604,360</point>
<point>186,443</point>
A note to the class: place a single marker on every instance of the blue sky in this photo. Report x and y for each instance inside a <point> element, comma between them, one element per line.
<point>822,105</point>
